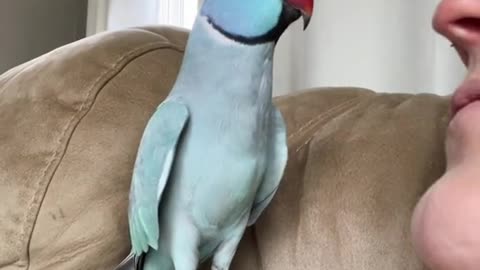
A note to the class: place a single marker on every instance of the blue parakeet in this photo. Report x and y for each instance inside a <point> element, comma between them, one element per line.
<point>213,153</point>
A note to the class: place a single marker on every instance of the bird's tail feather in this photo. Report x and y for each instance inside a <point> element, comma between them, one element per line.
<point>131,262</point>
<point>157,260</point>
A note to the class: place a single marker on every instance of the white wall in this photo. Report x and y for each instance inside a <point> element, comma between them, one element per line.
<point>97,16</point>
<point>119,14</point>
<point>388,46</point>
<point>133,14</point>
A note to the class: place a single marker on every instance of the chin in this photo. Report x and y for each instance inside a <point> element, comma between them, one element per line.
<point>446,221</point>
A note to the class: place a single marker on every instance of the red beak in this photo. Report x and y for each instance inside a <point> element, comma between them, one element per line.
<point>305,7</point>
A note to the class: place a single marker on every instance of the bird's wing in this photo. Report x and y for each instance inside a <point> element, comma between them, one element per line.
<point>154,161</point>
<point>276,162</point>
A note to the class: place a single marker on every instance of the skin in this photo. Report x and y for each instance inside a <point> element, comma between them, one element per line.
<point>446,221</point>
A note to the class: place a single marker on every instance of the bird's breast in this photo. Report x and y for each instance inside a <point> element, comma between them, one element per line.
<point>223,168</point>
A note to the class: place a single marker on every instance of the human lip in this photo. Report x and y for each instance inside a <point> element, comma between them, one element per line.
<point>466,94</point>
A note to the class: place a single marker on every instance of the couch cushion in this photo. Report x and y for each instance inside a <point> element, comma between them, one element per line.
<point>358,163</point>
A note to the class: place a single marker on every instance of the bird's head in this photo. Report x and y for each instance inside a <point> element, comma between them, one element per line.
<point>255,21</point>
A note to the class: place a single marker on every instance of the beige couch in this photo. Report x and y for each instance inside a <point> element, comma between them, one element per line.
<point>71,121</point>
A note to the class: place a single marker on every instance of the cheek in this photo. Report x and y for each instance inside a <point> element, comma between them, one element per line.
<point>446,222</point>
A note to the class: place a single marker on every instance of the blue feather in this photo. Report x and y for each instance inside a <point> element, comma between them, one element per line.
<point>244,17</point>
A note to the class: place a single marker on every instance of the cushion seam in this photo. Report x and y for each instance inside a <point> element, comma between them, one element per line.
<point>64,139</point>
<point>317,120</point>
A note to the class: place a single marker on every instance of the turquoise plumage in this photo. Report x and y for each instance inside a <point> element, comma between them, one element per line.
<point>213,153</point>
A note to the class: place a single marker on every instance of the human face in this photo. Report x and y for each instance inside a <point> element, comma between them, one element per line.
<point>446,220</point>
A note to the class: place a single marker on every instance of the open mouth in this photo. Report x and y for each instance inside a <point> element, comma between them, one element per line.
<point>471,25</point>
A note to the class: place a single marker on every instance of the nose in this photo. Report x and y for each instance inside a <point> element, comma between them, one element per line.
<point>459,21</point>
